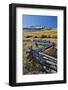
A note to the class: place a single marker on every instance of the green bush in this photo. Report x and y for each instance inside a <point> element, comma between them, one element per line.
<point>28,36</point>
<point>43,36</point>
<point>54,36</point>
<point>36,37</point>
<point>48,36</point>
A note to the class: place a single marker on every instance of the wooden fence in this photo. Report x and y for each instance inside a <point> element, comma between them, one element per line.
<point>48,63</point>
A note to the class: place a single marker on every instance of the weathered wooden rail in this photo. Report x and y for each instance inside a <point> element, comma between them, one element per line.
<point>48,63</point>
<point>44,45</point>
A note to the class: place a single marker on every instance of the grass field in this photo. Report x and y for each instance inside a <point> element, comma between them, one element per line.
<point>41,34</point>
<point>29,66</point>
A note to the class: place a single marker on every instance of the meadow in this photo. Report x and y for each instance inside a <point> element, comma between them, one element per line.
<point>41,34</point>
<point>29,37</point>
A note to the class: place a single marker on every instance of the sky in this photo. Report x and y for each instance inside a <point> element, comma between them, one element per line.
<point>39,21</point>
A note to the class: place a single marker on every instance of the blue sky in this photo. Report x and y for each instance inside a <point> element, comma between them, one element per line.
<point>40,21</point>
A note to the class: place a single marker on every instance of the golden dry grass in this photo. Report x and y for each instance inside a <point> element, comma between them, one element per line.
<point>30,66</point>
<point>47,33</point>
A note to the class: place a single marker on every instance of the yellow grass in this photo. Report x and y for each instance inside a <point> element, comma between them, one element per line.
<point>47,33</point>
